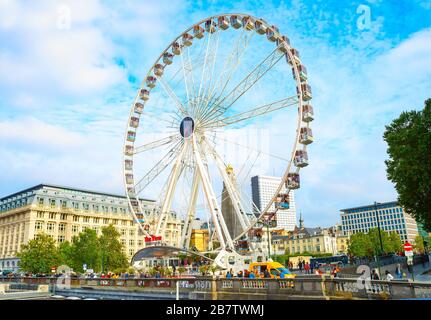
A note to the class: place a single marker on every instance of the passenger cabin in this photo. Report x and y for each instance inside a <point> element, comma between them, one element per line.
<point>131,191</point>
<point>198,32</point>
<point>305,135</point>
<point>128,164</point>
<point>296,57</point>
<point>235,22</point>
<point>134,122</point>
<point>293,181</point>
<point>151,81</point>
<point>131,136</point>
<point>139,107</point>
<point>260,27</point>
<point>223,23</point>
<point>301,158</point>
<point>176,48</point>
<point>284,42</point>
<point>210,26</point>
<point>283,201</point>
<point>306,91</point>
<point>128,151</point>
<point>187,39</point>
<point>307,113</point>
<point>255,234</point>
<point>158,69</point>
<point>302,73</point>
<point>272,33</point>
<point>167,58</point>
<point>144,94</point>
<point>248,23</point>
<point>129,178</point>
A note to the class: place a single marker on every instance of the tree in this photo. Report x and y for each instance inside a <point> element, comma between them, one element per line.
<point>86,250</point>
<point>39,255</point>
<point>395,242</point>
<point>111,250</point>
<point>409,148</point>
<point>361,245</point>
<point>65,251</point>
<point>419,244</point>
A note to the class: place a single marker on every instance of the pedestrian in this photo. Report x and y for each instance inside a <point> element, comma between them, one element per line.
<point>307,268</point>
<point>312,267</point>
<point>389,277</point>
<point>251,275</point>
<point>398,272</point>
<point>300,266</point>
<point>375,275</point>
<point>266,274</point>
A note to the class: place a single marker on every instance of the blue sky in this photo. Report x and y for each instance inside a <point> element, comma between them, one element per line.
<point>65,92</point>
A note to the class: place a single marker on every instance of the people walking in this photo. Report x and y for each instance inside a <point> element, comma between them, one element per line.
<point>398,272</point>
<point>307,268</point>
<point>300,266</point>
<point>389,277</point>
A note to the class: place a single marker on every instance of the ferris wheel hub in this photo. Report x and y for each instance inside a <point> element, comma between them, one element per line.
<point>187,126</point>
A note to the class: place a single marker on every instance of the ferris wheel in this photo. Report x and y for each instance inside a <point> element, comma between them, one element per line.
<point>226,72</point>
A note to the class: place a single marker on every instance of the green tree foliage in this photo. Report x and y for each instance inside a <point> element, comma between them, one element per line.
<point>361,245</point>
<point>86,250</point>
<point>419,244</point>
<point>111,250</point>
<point>368,245</point>
<point>409,148</point>
<point>39,255</point>
<point>65,251</point>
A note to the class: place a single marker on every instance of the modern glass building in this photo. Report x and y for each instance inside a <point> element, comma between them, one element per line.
<point>391,217</point>
<point>263,189</point>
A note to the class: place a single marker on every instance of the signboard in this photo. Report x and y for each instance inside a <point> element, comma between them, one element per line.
<point>153,238</point>
<point>408,247</point>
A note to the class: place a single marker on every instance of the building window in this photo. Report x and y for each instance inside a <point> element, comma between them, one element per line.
<point>76,218</point>
<point>40,214</point>
<point>40,201</point>
<point>106,221</point>
<point>63,204</point>
<point>61,239</point>
<point>50,226</point>
<point>61,227</point>
<point>38,225</point>
<point>52,203</point>
<point>75,229</point>
<point>63,216</point>
<point>52,215</point>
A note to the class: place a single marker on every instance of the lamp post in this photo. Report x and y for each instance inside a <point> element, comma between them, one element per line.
<point>380,235</point>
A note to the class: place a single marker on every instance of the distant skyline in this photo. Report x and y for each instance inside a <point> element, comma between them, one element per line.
<point>66,87</point>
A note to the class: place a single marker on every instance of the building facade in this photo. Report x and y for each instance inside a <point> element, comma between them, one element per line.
<point>63,212</point>
<point>263,189</point>
<point>305,240</point>
<point>392,217</point>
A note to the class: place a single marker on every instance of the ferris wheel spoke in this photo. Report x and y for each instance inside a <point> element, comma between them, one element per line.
<point>156,144</point>
<point>253,113</point>
<point>207,68</point>
<point>246,83</point>
<point>204,99</point>
<point>230,66</point>
<point>158,168</point>
<point>171,94</point>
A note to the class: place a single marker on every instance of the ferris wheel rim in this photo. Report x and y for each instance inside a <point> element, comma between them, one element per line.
<point>298,127</point>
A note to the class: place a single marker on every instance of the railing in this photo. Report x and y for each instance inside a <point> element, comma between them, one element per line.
<point>245,288</point>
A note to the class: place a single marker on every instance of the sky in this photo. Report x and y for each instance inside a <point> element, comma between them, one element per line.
<point>69,71</point>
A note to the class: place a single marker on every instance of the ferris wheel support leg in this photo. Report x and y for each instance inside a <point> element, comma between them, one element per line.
<point>218,219</point>
<point>230,188</point>
<point>187,230</point>
<point>166,207</point>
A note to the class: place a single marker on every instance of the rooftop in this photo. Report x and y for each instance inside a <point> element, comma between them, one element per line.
<point>380,205</point>
<point>42,185</point>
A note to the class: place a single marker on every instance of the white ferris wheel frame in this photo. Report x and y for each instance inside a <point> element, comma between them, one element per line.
<point>201,175</point>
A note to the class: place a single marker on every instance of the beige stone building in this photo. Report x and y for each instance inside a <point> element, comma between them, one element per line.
<point>63,212</point>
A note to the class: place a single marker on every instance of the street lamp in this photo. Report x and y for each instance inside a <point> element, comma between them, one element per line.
<point>380,235</point>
